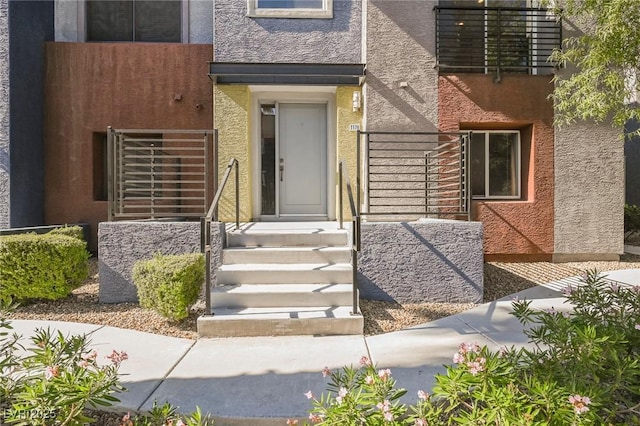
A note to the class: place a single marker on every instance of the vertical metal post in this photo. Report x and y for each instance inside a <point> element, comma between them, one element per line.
<point>354,262</point>
<point>358,184</point>
<point>207,171</point>
<point>463,168</point>
<point>367,174</point>
<point>469,192</point>
<point>110,174</point>
<point>152,179</point>
<point>120,146</point>
<point>340,199</point>
<point>215,169</point>
<point>237,169</point>
<point>205,235</point>
<point>426,184</point>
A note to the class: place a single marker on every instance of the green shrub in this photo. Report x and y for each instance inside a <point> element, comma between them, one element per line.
<point>69,231</point>
<point>169,284</point>
<point>45,266</point>
<point>582,368</point>
<point>631,219</point>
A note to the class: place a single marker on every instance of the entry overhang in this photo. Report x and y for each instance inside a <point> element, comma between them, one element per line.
<point>283,73</point>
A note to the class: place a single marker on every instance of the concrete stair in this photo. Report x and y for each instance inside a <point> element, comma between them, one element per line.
<point>282,279</point>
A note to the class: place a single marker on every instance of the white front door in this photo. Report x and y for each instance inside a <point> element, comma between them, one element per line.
<point>302,159</point>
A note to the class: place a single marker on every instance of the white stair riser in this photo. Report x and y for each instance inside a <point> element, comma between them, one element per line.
<point>328,239</point>
<point>209,327</point>
<point>320,255</point>
<point>226,277</point>
<point>280,299</point>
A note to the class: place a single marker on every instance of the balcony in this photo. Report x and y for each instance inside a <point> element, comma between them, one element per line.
<point>496,40</point>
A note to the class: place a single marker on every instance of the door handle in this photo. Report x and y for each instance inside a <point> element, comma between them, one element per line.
<point>281,168</point>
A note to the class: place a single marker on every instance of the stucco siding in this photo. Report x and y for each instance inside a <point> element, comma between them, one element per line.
<point>589,188</point>
<point>239,38</point>
<point>400,47</point>
<point>476,102</point>
<point>232,118</point>
<point>346,138</point>
<point>4,115</point>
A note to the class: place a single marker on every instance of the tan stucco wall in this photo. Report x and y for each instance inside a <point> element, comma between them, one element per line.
<point>400,47</point>
<point>346,139</point>
<point>232,114</point>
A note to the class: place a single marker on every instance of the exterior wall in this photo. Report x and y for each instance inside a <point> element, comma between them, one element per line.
<point>90,86</point>
<point>122,244</point>
<point>232,119</point>
<point>69,20</point>
<point>31,24</point>
<point>589,188</point>
<point>239,38</point>
<point>5,168</point>
<point>474,101</point>
<point>400,47</point>
<point>346,139</point>
<point>426,261</point>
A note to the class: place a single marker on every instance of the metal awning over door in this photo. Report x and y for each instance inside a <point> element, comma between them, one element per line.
<point>285,73</point>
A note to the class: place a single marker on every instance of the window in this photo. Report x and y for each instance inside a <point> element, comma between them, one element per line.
<point>495,164</point>
<point>134,20</point>
<point>290,8</point>
<point>490,36</point>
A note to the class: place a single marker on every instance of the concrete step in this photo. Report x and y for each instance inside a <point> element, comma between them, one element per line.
<point>280,295</point>
<point>328,320</point>
<point>281,273</point>
<point>286,255</point>
<point>288,238</point>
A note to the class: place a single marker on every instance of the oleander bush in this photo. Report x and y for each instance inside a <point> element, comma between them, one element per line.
<point>169,284</point>
<point>582,368</point>
<point>52,380</point>
<point>47,266</point>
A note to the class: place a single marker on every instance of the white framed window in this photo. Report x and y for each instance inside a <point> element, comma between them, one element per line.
<point>322,9</point>
<point>135,20</point>
<point>495,164</point>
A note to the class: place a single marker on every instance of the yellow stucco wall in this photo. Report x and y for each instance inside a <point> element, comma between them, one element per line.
<point>232,115</point>
<point>346,139</point>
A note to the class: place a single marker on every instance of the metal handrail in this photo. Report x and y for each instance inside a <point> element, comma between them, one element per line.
<point>343,176</point>
<point>205,225</point>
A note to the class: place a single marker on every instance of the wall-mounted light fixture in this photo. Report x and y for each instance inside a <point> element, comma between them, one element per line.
<point>356,101</point>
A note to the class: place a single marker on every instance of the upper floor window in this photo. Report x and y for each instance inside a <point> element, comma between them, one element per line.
<point>134,20</point>
<point>494,36</point>
<point>495,164</point>
<point>290,8</point>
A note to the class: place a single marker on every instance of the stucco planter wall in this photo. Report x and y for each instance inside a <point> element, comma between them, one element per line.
<point>425,261</point>
<point>122,244</point>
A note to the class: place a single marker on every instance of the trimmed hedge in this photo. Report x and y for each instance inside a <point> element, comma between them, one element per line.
<point>44,266</point>
<point>170,284</point>
<point>69,231</point>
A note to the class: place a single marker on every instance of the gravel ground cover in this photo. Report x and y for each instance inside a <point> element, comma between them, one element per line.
<point>500,280</point>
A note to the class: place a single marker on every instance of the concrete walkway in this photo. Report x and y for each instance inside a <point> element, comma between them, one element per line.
<point>261,380</point>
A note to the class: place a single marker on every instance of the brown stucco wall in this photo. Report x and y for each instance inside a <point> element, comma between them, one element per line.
<point>90,86</point>
<point>513,229</point>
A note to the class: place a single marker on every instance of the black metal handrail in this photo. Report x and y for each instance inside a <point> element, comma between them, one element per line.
<point>496,39</point>
<point>343,177</point>
<point>212,215</point>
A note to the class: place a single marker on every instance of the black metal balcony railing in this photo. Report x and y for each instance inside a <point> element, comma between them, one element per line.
<point>496,40</point>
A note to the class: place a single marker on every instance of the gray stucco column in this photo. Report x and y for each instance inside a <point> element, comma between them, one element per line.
<point>4,114</point>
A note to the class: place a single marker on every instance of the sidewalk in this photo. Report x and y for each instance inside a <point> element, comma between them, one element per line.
<point>261,380</point>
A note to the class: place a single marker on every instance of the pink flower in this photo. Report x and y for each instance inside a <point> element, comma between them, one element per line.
<point>468,347</point>
<point>637,327</point>
<point>388,416</point>
<point>84,363</point>
<point>568,290</point>
<point>292,422</point>
<point>326,372</point>
<point>180,423</point>
<point>384,374</point>
<point>580,403</point>
<point>51,372</point>
<point>458,358</point>
<point>315,418</point>
<point>90,356</point>
<point>117,357</point>
<point>369,379</point>
<point>423,395</point>
<point>341,394</point>
<point>365,361</point>
<point>309,395</point>
<point>420,422</point>
<point>615,287</point>
<point>476,366</point>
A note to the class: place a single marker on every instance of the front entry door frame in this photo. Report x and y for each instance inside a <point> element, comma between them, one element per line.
<point>282,95</point>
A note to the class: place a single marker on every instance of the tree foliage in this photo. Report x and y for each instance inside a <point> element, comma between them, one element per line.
<point>605,51</point>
